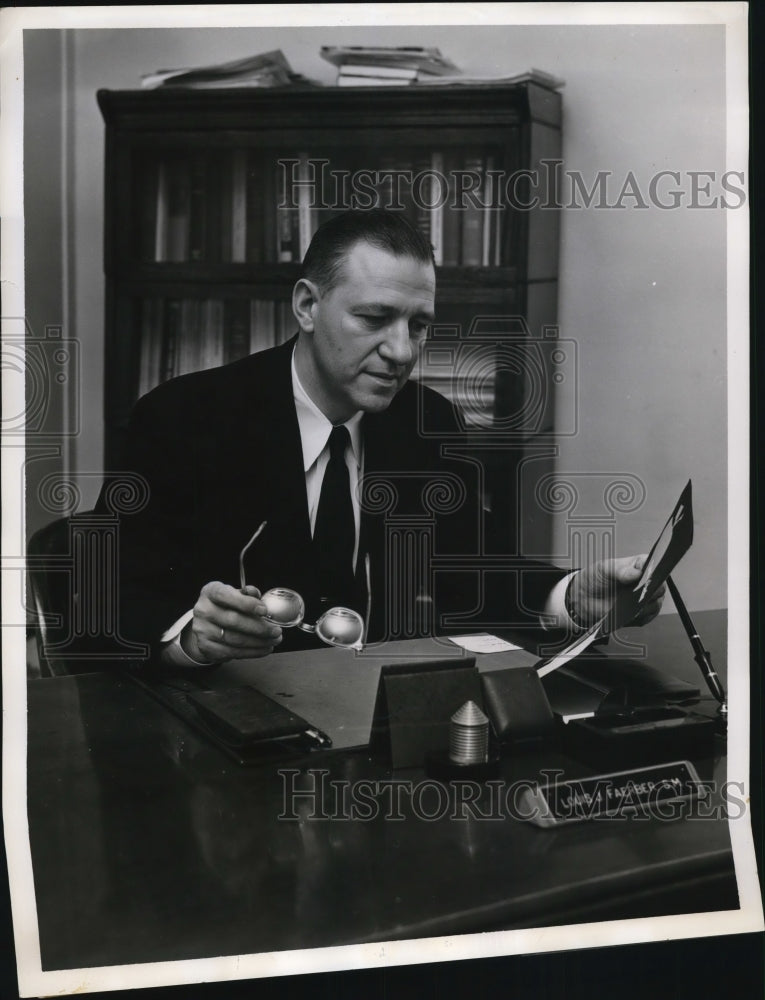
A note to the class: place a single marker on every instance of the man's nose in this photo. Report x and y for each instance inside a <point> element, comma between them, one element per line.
<point>396,346</point>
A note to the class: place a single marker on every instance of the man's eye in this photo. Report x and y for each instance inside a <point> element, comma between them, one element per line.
<point>419,330</point>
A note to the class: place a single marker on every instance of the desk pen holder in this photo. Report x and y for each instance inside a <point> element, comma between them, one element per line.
<point>633,735</point>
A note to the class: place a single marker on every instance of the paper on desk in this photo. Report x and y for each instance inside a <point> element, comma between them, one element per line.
<point>482,643</point>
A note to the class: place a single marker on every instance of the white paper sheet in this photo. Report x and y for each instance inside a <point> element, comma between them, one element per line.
<point>482,643</point>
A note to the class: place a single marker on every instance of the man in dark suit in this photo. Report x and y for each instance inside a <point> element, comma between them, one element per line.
<point>269,438</point>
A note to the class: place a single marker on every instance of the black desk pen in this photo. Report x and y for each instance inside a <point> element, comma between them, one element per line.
<point>701,655</point>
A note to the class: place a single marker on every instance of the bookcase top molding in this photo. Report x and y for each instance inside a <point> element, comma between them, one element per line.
<point>498,104</point>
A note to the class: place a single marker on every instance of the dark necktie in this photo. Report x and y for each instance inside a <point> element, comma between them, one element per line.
<point>334,534</point>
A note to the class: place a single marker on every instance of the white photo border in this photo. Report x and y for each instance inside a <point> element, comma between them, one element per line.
<point>32,980</point>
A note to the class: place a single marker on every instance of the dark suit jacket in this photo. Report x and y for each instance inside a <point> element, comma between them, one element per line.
<point>220,451</point>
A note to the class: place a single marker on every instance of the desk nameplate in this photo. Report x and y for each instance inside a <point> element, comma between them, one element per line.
<point>644,790</point>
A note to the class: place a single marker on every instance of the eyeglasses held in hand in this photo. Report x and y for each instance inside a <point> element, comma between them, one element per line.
<point>337,627</point>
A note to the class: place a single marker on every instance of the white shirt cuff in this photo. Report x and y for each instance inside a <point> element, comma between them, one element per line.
<point>172,650</point>
<point>555,614</point>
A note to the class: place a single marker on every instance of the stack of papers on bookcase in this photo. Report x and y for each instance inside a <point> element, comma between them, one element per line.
<point>528,76</point>
<point>383,66</point>
<point>269,69</point>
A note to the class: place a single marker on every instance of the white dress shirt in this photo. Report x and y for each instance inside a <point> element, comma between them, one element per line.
<point>314,437</point>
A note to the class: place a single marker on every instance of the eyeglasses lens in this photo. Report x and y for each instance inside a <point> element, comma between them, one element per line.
<point>337,627</point>
<point>340,627</point>
<point>285,607</point>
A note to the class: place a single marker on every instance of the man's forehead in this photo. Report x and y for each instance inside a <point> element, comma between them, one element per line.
<point>364,260</point>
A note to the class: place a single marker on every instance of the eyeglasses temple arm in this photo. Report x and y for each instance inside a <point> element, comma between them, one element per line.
<point>368,575</point>
<point>243,553</point>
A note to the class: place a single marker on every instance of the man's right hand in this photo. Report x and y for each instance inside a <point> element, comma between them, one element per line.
<point>229,625</point>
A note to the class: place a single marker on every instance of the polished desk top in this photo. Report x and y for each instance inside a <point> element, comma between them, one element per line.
<point>149,844</point>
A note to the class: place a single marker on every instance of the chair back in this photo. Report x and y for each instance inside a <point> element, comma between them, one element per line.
<point>50,566</point>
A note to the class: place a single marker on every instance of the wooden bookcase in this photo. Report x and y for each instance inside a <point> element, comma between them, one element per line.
<point>200,258</point>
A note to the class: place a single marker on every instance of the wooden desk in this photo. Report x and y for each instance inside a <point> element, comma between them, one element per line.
<point>148,844</point>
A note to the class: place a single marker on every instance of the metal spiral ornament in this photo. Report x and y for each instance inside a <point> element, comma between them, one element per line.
<point>469,735</point>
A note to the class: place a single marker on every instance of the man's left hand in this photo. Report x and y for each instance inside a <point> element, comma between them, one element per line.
<point>593,590</point>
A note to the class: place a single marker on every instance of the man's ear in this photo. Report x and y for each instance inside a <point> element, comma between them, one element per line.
<point>305,299</point>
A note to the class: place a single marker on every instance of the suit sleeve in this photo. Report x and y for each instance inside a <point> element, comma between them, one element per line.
<point>155,550</point>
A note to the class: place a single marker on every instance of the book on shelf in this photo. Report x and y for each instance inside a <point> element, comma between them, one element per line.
<point>451,221</point>
<point>148,199</point>
<point>286,324</point>
<point>236,329</point>
<point>389,166</point>
<point>286,234</point>
<point>256,200</point>
<point>307,212</point>
<point>198,202</point>
<point>151,345</point>
<point>232,204</point>
<point>160,214</point>
<point>268,212</point>
<point>189,339</point>
<point>420,194</point>
<point>287,223</point>
<point>170,335</point>
<point>262,325</point>
<point>378,71</point>
<point>238,206</point>
<point>221,203</point>
<point>371,81</point>
<point>212,334</point>
<point>436,209</point>
<point>178,210</point>
<point>489,216</point>
<point>472,218</point>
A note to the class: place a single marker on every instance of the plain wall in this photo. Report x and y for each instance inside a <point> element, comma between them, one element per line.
<point>45,304</point>
<point>642,291</point>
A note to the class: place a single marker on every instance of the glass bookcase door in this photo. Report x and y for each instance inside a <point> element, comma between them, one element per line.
<point>182,334</point>
<point>261,205</point>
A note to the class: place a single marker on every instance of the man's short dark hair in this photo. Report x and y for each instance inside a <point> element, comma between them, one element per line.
<point>390,231</point>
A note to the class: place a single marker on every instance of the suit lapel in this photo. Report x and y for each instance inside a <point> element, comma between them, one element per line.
<point>270,437</point>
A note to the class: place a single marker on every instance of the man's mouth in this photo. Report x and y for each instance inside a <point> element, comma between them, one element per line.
<point>386,378</point>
